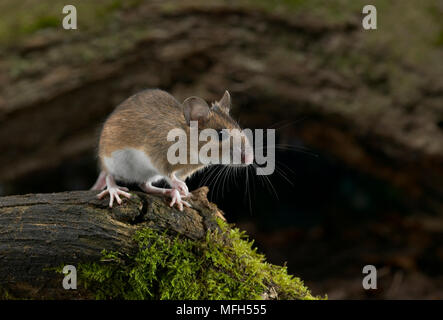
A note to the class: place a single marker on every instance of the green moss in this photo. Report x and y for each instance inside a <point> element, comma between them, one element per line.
<point>439,39</point>
<point>109,8</point>
<point>4,294</point>
<point>42,23</point>
<point>223,266</point>
<point>20,21</point>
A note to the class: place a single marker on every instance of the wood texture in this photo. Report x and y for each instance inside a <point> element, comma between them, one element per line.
<point>39,232</point>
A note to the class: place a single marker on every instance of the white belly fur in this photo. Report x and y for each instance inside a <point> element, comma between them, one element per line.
<point>131,165</point>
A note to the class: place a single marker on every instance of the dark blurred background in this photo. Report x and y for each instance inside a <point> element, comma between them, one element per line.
<point>358,116</point>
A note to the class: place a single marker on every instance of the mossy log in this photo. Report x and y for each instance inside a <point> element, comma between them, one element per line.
<point>41,233</point>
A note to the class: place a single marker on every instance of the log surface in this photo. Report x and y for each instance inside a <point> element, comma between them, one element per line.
<point>40,232</point>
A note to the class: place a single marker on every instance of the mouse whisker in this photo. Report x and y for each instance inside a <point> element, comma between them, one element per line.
<point>291,148</point>
<point>266,182</point>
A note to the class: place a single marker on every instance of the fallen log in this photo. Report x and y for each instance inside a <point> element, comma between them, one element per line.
<point>41,233</point>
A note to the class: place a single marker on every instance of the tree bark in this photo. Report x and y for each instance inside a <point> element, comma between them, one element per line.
<point>40,232</point>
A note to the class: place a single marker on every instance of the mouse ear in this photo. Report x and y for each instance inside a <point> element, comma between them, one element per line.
<point>225,102</point>
<point>195,109</point>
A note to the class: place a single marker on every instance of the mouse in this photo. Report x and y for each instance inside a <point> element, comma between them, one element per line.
<point>133,144</point>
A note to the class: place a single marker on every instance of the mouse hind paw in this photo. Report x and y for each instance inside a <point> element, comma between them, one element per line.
<point>114,191</point>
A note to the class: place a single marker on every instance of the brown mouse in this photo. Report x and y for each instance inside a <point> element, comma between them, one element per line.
<point>134,143</point>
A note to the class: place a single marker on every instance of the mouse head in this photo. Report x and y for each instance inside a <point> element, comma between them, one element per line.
<point>226,136</point>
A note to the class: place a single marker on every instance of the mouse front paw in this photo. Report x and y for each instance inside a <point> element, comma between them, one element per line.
<point>181,187</point>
